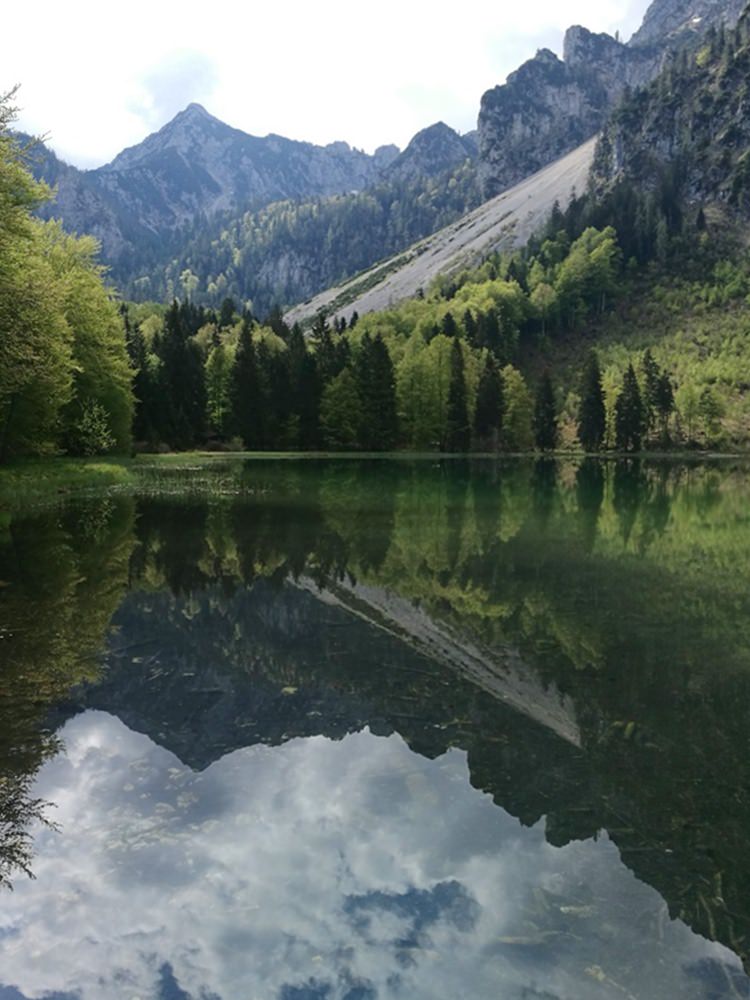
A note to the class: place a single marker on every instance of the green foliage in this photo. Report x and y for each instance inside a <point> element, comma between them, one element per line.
<point>244,392</point>
<point>274,254</point>
<point>591,411</point>
<point>341,413</point>
<point>457,427</point>
<point>91,434</point>
<point>376,389</point>
<point>518,432</point>
<point>545,415</point>
<point>63,354</point>
<point>218,390</point>
<point>630,415</point>
<point>488,415</point>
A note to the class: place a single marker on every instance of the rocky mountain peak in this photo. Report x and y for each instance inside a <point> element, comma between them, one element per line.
<point>432,151</point>
<point>673,21</point>
<point>582,47</point>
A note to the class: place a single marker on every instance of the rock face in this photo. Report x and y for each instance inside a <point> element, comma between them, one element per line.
<point>196,165</point>
<point>549,106</point>
<point>690,128</point>
<point>431,152</point>
<point>675,20</point>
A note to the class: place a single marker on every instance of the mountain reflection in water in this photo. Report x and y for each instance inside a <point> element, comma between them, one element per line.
<point>266,782</point>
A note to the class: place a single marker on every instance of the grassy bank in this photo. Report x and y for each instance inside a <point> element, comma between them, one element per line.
<point>41,481</point>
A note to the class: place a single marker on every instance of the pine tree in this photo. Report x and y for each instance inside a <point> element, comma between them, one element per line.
<point>488,415</point>
<point>376,385</point>
<point>457,431</point>
<point>309,391</point>
<point>470,328</point>
<point>665,404</point>
<point>227,313</point>
<point>591,412</point>
<point>144,389</point>
<point>545,415</point>
<point>450,327</point>
<point>245,391</point>
<point>629,414</point>
<point>650,395</point>
<point>183,410</point>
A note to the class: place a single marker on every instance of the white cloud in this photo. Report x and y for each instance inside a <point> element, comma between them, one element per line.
<point>345,863</point>
<point>323,71</point>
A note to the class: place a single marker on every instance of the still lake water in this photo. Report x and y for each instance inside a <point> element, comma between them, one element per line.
<point>345,730</point>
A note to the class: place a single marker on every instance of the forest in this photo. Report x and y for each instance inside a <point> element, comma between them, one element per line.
<point>539,349</point>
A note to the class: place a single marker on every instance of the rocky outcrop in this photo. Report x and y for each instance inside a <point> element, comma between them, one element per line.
<point>431,152</point>
<point>670,21</point>
<point>550,106</point>
<point>690,128</point>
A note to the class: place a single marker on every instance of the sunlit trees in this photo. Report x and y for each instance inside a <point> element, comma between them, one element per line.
<point>64,366</point>
<point>341,413</point>
<point>517,433</point>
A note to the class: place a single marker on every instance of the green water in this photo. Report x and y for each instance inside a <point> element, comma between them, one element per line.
<point>344,730</point>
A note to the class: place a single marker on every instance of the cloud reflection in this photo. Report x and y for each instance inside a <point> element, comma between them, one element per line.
<point>344,871</point>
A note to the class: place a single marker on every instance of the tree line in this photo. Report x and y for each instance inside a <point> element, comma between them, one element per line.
<point>227,382</point>
<point>80,374</point>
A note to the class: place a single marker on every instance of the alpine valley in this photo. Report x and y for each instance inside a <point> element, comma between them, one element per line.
<point>600,204</point>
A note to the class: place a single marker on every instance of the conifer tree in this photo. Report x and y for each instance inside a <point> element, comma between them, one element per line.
<point>650,395</point>
<point>309,391</point>
<point>450,327</point>
<point>470,328</point>
<point>591,411</point>
<point>488,415</point>
<point>629,414</point>
<point>227,313</point>
<point>376,385</point>
<point>457,430</point>
<point>665,403</point>
<point>183,410</point>
<point>245,391</point>
<point>545,415</point>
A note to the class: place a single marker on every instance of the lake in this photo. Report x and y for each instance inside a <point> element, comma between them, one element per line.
<point>358,729</point>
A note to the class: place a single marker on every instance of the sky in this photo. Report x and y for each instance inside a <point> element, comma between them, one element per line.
<point>94,80</point>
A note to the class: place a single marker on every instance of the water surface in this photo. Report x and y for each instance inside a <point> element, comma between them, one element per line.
<point>343,729</point>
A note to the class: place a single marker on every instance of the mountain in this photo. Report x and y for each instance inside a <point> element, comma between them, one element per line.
<point>673,20</point>
<point>270,220</point>
<point>502,223</point>
<point>193,168</point>
<point>432,151</point>
<point>291,250</point>
<point>550,105</point>
<point>691,123</point>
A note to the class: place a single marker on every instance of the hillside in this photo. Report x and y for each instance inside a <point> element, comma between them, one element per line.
<point>272,221</point>
<point>192,168</point>
<point>690,124</point>
<point>503,223</point>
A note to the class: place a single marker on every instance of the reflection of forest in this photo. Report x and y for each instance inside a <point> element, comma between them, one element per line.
<point>277,604</point>
<point>62,577</point>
